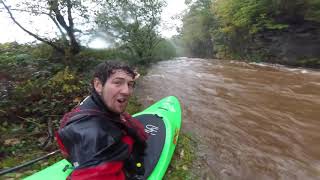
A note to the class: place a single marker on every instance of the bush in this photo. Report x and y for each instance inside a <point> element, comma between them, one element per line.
<point>42,51</point>
<point>164,50</point>
<point>42,97</point>
<point>103,54</point>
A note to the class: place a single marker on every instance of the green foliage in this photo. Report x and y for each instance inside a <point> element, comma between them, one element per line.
<point>134,106</point>
<point>182,163</point>
<point>102,54</point>
<point>15,147</point>
<point>312,12</point>
<point>164,50</point>
<point>309,62</point>
<point>41,98</point>
<point>133,24</point>
<point>66,82</point>
<point>257,16</point>
<point>230,28</point>
<point>21,157</point>
<point>42,51</point>
<point>37,91</point>
<point>196,31</point>
<point>88,58</point>
<point>240,21</point>
<point>12,53</point>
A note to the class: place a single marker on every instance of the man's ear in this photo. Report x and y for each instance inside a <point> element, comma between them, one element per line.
<point>97,85</point>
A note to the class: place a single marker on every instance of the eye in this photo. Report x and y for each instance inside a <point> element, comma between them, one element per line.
<point>131,84</point>
<point>117,82</point>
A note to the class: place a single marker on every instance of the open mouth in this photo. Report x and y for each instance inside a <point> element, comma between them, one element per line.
<point>121,100</point>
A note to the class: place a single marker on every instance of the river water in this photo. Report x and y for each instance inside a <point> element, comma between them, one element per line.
<point>252,121</point>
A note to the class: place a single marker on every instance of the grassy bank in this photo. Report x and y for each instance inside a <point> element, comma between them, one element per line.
<point>182,161</point>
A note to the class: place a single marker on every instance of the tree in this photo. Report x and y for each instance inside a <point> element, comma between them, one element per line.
<point>133,24</point>
<point>196,30</point>
<point>61,13</point>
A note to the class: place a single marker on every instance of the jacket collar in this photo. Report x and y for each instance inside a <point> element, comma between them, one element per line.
<point>102,107</point>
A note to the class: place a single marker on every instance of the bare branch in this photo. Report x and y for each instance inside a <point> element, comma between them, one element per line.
<point>58,26</point>
<point>70,19</point>
<point>29,32</point>
<point>55,7</point>
<point>25,10</point>
<point>74,45</point>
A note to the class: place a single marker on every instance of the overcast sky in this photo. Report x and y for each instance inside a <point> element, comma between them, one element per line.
<point>10,32</point>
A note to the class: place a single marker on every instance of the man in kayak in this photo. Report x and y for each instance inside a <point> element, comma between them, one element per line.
<point>98,137</point>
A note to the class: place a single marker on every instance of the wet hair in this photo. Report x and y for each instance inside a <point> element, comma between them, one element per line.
<point>104,70</point>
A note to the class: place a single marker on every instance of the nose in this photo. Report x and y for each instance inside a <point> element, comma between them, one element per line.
<point>126,90</point>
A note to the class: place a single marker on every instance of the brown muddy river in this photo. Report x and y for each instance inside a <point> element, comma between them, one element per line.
<point>252,121</point>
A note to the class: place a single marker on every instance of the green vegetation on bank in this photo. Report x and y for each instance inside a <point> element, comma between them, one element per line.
<point>258,30</point>
<point>181,166</point>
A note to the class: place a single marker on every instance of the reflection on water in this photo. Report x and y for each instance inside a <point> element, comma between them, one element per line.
<point>253,121</point>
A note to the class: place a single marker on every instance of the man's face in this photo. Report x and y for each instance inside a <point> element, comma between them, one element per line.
<point>116,91</point>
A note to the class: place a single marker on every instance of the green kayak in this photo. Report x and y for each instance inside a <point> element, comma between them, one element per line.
<point>162,121</point>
